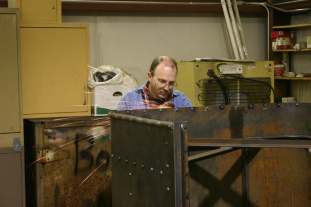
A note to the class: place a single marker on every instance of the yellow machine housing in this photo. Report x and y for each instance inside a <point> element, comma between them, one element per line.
<point>238,81</point>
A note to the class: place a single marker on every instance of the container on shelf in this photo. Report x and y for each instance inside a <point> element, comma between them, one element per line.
<point>288,99</point>
<point>282,40</point>
<point>279,69</point>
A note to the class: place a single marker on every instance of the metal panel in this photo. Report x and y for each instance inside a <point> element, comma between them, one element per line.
<point>253,85</point>
<point>144,163</point>
<point>245,177</point>
<point>11,178</point>
<point>58,56</point>
<point>43,11</point>
<point>68,162</point>
<point>9,73</point>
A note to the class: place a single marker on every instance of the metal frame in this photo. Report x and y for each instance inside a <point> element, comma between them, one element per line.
<point>198,134</point>
<point>228,145</point>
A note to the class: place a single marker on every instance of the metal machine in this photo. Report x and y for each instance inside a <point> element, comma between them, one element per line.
<point>213,81</point>
<point>254,155</point>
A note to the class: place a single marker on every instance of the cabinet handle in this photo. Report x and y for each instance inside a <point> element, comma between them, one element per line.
<point>85,95</point>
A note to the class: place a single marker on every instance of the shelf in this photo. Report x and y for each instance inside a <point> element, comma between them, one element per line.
<point>293,78</point>
<point>293,26</point>
<point>293,50</point>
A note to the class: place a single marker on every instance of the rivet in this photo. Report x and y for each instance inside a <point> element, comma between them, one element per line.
<point>167,165</point>
<point>221,107</point>
<point>168,188</point>
<point>297,104</point>
<point>161,172</point>
<point>112,155</point>
<point>130,194</point>
<point>134,163</point>
<point>142,165</point>
<point>119,158</point>
<point>130,173</point>
<point>151,169</point>
<point>126,161</point>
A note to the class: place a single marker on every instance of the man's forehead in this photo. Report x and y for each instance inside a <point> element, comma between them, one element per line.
<point>167,63</point>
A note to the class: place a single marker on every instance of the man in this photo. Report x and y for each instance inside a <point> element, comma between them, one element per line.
<point>159,91</point>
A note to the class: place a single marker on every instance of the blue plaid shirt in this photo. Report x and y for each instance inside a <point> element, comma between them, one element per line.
<point>134,100</point>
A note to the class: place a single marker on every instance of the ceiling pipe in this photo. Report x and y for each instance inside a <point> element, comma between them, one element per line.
<point>268,20</point>
<point>240,28</point>
<point>230,30</point>
<point>235,30</point>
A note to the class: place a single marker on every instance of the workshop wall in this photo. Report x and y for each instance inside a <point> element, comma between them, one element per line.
<point>131,42</point>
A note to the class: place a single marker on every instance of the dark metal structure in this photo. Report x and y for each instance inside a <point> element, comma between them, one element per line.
<point>172,157</point>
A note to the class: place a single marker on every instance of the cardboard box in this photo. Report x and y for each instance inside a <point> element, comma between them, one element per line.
<point>107,97</point>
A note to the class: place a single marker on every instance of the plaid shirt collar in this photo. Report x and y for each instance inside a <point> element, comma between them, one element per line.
<point>155,103</point>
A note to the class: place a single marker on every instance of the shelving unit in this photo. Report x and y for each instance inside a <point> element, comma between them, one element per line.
<point>292,78</point>
<point>293,26</point>
<point>293,50</point>
<point>292,86</point>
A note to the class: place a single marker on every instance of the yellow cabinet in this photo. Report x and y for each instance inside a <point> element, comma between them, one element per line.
<point>11,178</point>
<point>10,120</point>
<point>54,66</point>
<point>11,139</point>
<point>39,11</point>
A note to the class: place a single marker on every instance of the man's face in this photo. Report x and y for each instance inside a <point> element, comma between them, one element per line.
<point>162,82</point>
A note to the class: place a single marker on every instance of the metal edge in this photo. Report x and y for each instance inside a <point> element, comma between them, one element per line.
<point>141,120</point>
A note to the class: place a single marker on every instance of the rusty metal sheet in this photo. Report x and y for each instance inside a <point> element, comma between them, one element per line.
<point>243,177</point>
<point>68,162</point>
<point>145,171</point>
<point>226,121</point>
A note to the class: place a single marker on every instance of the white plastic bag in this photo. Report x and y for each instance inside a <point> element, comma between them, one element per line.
<point>117,79</point>
<point>108,93</point>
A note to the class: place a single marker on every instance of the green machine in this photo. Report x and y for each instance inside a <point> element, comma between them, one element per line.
<point>215,81</point>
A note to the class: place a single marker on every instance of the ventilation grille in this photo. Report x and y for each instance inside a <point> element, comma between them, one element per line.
<point>234,91</point>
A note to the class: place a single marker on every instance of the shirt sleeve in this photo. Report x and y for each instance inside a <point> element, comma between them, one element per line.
<point>122,105</point>
<point>182,100</point>
<point>186,102</point>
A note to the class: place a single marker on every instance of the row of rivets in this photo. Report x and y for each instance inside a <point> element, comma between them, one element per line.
<point>221,107</point>
<point>151,169</point>
<point>135,163</point>
<point>167,188</point>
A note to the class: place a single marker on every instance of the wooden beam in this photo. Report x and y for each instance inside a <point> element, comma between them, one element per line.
<point>145,7</point>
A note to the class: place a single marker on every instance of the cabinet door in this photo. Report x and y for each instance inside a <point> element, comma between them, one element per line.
<point>54,65</point>
<point>9,77</point>
<point>40,11</point>
<point>11,179</point>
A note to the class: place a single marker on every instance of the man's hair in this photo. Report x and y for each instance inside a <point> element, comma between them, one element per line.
<point>156,61</point>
